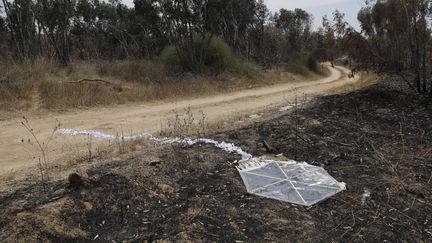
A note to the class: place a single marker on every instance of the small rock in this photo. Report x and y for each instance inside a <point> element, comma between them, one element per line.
<point>183,236</point>
<point>254,116</point>
<point>365,196</point>
<point>88,206</point>
<point>75,181</point>
<point>155,163</point>
<point>286,108</point>
<point>383,111</point>
<point>313,123</point>
<point>167,189</point>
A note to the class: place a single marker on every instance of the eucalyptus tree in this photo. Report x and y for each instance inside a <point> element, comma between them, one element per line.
<point>19,20</point>
<point>188,22</point>
<point>147,27</point>
<point>296,25</point>
<point>399,39</point>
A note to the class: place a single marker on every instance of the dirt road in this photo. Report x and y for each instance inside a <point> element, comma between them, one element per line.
<point>16,152</point>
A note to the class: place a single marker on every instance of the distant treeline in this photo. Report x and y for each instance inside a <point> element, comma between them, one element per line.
<point>395,35</point>
<point>395,38</point>
<point>66,30</point>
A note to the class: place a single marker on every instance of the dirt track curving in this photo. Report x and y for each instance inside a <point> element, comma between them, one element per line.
<point>17,154</point>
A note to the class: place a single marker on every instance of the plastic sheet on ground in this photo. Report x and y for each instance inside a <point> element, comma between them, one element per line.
<point>292,182</point>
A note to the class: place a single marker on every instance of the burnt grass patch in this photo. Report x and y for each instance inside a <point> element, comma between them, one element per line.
<point>377,140</point>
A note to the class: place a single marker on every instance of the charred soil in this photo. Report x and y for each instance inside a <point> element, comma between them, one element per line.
<point>378,140</point>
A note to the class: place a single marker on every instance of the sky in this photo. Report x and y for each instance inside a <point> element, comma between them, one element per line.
<point>318,8</point>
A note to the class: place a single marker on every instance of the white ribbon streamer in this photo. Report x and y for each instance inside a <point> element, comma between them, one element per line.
<point>227,147</point>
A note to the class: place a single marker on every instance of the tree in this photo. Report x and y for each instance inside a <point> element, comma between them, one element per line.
<point>3,38</point>
<point>20,22</point>
<point>296,26</point>
<point>237,20</point>
<point>399,39</point>
<point>186,21</point>
<point>98,29</point>
<point>55,18</point>
<point>147,27</point>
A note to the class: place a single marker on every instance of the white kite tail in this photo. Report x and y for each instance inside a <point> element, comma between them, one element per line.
<point>227,147</point>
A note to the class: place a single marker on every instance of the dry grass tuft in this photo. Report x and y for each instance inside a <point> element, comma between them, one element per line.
<point>185,123</point>
<point>366,78</point>
<point>131,81</point>
<point>55,95</point>
<point>140,71</point>
<point>17,82</point>
<point>44,84</point>
<point>46,220</point>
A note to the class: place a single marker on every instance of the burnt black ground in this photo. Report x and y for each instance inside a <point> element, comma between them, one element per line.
<point>377,139</point>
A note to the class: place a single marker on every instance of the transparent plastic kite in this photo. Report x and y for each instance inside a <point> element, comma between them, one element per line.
<point>288,181</point>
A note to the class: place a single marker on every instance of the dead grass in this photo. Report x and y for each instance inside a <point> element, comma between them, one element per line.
<point>46,220</point>
<point>17,82</point>
<point>15,95</point>
<point>138,71</point>
<point>43,84</point>
<point>131,81</point>
<point>366,78</point>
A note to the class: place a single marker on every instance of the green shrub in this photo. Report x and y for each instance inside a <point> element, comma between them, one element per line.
<point>303,64</point>
<point>243,67</point>
<point>312,64</point>
<point>170,57</point>
<point>207,55</point>
<point>297,68</point>
<point>297,65</point>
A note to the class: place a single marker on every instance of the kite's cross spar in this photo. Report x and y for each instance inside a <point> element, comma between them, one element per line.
<point>288,181</point>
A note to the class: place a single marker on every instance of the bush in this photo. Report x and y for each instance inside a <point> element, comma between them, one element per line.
<point>312,64</point>
<point>244,68</point>
<point>297,65</point>
<point>205,55</point>
<point>55,95</point>
<point>303,65</point>
<point>199,56</point>
<point>170,57</point>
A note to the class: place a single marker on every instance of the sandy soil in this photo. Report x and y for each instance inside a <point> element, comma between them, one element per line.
<point>17,150</point>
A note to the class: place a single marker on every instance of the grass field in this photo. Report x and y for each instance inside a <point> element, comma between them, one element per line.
<point>47,85</point>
